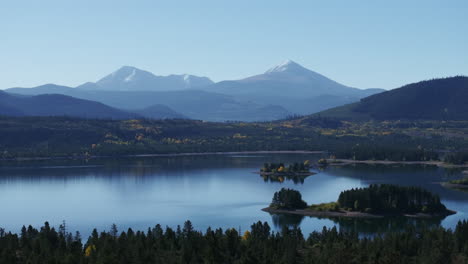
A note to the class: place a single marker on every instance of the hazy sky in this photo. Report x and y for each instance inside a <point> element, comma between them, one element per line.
<point>364,44</point>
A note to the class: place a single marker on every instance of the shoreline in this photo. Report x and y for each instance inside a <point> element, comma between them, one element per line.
<point>339,162</point>
<point>454,185</point>
<point>349,214</point>
<point>171,155</point>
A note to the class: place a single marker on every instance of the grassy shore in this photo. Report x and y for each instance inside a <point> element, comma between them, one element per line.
<point>457,184</point>
<point>350,214</point>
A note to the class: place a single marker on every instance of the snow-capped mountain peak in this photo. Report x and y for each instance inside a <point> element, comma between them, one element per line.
<point>287,65</point>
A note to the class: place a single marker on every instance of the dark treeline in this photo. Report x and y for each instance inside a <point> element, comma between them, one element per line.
<point>457,158</point>
<point>396,152</point>
<point>386,198</point>
<point>259,245</point>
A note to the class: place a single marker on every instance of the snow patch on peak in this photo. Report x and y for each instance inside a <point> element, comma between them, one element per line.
<point>186,77</point>
<point>122,71</point>
<point>286,63</point>
<point>284,66</point>
<point>130,77</point>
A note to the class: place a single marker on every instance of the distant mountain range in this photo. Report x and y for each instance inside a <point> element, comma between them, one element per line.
<point>281,91</point>
<point>437,99</point>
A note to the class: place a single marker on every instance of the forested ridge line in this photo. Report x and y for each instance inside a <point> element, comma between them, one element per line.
<point>47,137</point>
<point>51,137</point>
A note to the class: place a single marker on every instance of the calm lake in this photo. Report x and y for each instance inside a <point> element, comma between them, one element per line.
<point>212,190</point>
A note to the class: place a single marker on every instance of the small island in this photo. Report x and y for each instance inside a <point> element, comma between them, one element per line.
<point>457,184</point>
<point>375,201</point>
<point>278,172</point>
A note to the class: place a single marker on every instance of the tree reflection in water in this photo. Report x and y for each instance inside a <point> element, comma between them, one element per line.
<point>296,179</point>
<point>363,226</point>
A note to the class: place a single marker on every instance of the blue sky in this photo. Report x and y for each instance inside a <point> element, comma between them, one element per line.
<point>362,43</point>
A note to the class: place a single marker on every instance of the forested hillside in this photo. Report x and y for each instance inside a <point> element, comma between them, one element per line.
<point>72,137</point>
<point>437,99</point>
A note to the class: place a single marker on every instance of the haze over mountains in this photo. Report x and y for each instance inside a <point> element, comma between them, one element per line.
<point>57,105</point>
<point>281,91</point>
<point>192,104</point>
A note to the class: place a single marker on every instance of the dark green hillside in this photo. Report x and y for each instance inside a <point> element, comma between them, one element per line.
<point>437,99</point>
<point>7,109</point>
<point>345,112</point>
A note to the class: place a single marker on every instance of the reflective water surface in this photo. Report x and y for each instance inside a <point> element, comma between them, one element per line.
<point>211,190</point>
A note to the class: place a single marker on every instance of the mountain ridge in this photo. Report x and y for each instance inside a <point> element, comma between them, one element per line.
<point>58,105</point>
<point>129,78</point>
<point>194,104</point>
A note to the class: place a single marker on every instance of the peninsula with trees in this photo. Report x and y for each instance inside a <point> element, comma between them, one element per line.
<point>375,201</point>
